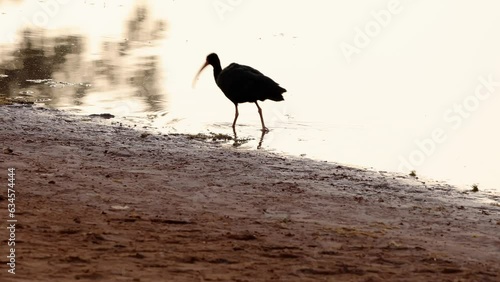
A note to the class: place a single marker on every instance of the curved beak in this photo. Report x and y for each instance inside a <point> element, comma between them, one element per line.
<point>198,74</point>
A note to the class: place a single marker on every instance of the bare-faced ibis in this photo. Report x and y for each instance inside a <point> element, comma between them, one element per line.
<point>243,84</point>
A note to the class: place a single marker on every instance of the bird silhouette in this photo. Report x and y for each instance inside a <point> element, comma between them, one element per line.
<point>243,84</point>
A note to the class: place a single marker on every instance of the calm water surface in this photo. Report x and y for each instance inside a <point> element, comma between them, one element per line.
<point>392,107</point>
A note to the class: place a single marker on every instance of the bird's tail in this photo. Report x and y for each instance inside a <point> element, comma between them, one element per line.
<point>276,94</point>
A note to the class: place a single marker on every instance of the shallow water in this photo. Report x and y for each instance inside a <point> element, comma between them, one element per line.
<point>406,101</point>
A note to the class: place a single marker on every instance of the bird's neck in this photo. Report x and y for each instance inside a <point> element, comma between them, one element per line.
<point>217,70</point>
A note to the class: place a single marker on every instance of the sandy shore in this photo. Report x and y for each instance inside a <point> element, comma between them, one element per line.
<point>103,202</point>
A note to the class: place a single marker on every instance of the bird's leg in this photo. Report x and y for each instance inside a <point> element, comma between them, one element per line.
<point>235,135</point>
<point>264,128</point>
<point>236,114</point>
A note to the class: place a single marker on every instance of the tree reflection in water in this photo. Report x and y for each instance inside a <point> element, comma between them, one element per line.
<point>60,68</point>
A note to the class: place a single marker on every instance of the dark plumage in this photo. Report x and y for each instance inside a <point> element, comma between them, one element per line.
<point>243,84</point>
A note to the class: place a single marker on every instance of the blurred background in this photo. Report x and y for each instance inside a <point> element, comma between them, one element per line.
<point>389,85</point>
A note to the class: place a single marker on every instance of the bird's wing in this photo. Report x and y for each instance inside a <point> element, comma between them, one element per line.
<point>242,83</point>
<point>246,69</point>
<point>241,77</point>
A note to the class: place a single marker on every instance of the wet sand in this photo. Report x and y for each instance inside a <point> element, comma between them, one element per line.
<point>97,201</point>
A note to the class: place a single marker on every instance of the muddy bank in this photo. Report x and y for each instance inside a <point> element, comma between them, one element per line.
<point>100,201</point>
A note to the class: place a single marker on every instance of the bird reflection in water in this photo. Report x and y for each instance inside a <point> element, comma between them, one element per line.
<point>238,142</point>
<point>261,139</point>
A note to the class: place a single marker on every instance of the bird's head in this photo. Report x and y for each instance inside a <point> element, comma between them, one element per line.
<point>213,60</point>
